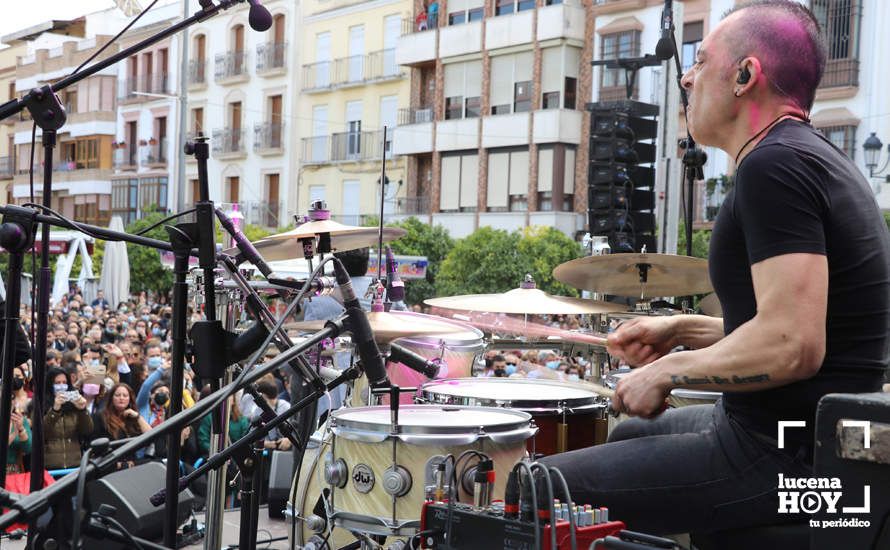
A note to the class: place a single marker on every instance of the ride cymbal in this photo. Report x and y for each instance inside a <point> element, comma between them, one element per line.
<point>392,325</point>
<point>639,275</point>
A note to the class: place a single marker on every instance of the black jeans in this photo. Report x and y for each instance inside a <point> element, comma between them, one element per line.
<point>691,469</point>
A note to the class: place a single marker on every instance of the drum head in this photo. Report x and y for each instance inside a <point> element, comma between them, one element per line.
<point>430,419</point>
<point>528,395</point>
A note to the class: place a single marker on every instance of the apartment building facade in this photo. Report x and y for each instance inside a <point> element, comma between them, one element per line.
<point>242,95</point>
<point>351,88</point>
<point>496,131</point>
<point>145,150</point>
<point>8,58</point>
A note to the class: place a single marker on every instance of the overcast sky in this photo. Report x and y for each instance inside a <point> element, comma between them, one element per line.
<point>21,14</point>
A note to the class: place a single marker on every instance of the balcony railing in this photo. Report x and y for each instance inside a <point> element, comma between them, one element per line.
<point>231,65</point>
<point>264,213</point>
<point>355,146</point>
<point>157,153</point>
<point>7,167</point>
<point>268,135</point>
<point>840,72</point>
<point>227,141</point>
<point>125,159</point>
<point>413,205</point>
<point>147,83</point>
<point>270,56</point>
<point>197,71</point>
<point>356,69</point>
<point>316,150</point>
<point>415,116</point>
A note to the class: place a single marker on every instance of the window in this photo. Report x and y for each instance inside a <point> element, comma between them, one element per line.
<point>70,100</point>
<point>615,46</point>
<point>131,143</point>
<point>153,194</point>
<point>506,7</point>
<point>843,137</point>
<point>508,180</point>
<point>124,196</point>
<point>556,178</point>
<point>511,88</point>
<point>272,201</point>
<point>87,153</point>
<point>198,120</point>
<point>232,189</point>
<point>840,23</point>
<point>463,11</point>
<point>92,209</point>
<point>459,177</point>
<point>692,37</point>
<point>463,88</point>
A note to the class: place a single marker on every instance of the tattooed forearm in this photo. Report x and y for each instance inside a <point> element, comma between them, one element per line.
<point>719,380</point>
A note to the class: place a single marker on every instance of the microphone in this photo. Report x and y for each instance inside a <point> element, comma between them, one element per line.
<point>369,353</point>
<point>395,287</point>
<point>664,50</point>
<point>259,17</point>
<point>243,243</point>
<point>415,362</point>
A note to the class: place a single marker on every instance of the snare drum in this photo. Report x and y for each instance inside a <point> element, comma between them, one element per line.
<point>457,351</point>
<point>568,415</point>
<point>379,478</point>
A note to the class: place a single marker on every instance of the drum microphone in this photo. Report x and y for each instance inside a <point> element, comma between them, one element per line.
<point>259,17</point>
<point>664,49</point>
<point>415,362</point>
<point>248,252</point>
<point>395,287</point>
<point>369,353</point>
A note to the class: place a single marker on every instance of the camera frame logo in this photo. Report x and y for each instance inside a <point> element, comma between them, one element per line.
<point>812,495</point>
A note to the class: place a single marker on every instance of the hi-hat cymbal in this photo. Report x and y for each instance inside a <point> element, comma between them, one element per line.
<point>524,301</point>
<point>288,245</point>
<point>392,325</point>
<point>639,275</point>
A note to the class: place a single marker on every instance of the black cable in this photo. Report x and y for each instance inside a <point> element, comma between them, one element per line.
<point>114,39</point>
<point>568,496</point>
<point>71,223</point>
<point>549,484</point>
<point>122,529</point>
<point>534,496</point>
<point>78,499</point>
<point>167,219</point>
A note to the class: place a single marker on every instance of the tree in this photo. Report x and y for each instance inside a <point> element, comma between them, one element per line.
<point>887,218</point>
<point>541,250</point>
<point>146,271</point>
<point>486,261</point>
<point>701,241</point>
<point>422,239</point>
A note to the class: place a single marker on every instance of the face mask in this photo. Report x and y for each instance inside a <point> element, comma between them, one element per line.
<point>91,389</point>
<point>110,330</point>
<point>59,388</point>
<point>500,372</point>
<point>510,369</point>
<point>125,325</point>
<point>156,331</point>
<point>145,318</point>
<point>18,383</point>
<point>188,385</point>
<point>131,319</point>
<point>154,362</point>
<point>574,377</point>
<point>553,365</point>
<point>161,398</point>
<point>87,314</point>
<point>71,345</point>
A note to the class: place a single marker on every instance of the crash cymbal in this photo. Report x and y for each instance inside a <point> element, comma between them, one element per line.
<point>289,245</point>
<point>528,301</point>
<point>392,325</point>
<point>638,275</point>
<point>710,305</point>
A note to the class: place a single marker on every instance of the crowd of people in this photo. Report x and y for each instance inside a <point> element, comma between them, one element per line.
<point>108,375</point>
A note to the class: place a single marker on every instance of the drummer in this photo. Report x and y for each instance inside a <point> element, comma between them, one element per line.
<point>800,260</point>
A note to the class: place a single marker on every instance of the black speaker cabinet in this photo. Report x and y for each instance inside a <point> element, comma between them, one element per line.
<point>128,491</point>
<point>861,517</point>
<point>281,471</point>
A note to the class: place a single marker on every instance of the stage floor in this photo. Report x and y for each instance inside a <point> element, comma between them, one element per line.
<point>275,527</point>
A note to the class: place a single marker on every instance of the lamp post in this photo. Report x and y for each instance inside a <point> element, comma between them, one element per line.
<point>873,148</point>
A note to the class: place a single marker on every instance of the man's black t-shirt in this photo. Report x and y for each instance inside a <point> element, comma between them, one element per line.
<point>797,193</point>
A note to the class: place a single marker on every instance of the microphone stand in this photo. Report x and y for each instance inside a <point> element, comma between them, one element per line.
<point>50,116</point>
<point>694,157</point>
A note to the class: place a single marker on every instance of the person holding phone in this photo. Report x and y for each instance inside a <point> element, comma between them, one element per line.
<point>19,441</point>
<point>66,422</point>
<point>120,419</point>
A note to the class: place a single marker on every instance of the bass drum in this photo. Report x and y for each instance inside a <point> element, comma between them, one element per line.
<point>457,351</point>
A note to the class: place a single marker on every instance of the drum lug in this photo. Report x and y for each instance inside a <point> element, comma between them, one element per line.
<point>397,481</point>
<point>336,473</point>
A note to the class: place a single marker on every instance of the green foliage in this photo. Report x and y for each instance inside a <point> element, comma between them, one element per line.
<point>422,239</point>
<point>701,242</point>
<point>887,218</point>
<point>146,271</point>
<point>493,261</point>
<point>542,249</point>
<point>255,232</point>
<point>486,261</point>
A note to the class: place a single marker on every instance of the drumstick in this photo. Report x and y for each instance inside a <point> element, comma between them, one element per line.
<point>600,390</point>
